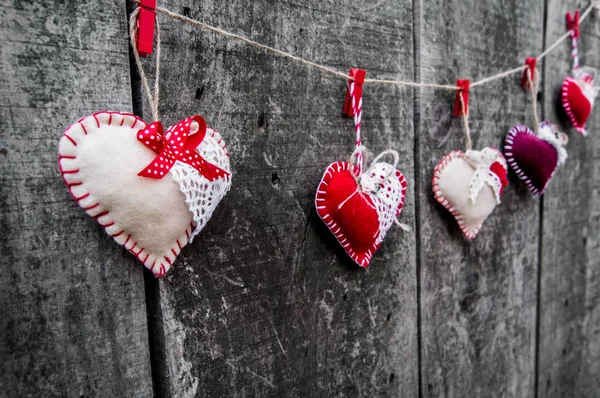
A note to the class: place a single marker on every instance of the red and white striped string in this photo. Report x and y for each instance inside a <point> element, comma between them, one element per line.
<point>574,53</point>
<point>357,111</point>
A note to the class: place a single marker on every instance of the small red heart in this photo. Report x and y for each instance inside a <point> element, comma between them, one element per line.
<point>577,104</point>
<point>533,159</point>
<point>360,220</point>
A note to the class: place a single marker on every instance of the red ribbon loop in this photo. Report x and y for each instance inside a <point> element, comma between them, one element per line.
<point>178,144</point>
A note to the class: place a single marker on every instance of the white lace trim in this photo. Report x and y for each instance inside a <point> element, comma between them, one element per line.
<point>201,195</point>
<point>382,185</point>
<point>481,161</point>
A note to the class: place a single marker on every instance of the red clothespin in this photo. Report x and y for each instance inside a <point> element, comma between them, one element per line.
<point>145,26</point>
<point>359,78</point>
<point>531,63</point>
<point>573,23</point>
<point>464,92</point>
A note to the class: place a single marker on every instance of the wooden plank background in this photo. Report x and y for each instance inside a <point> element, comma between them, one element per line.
<point>264,302</point>
<point>73,311</point>
<point>569,335</point>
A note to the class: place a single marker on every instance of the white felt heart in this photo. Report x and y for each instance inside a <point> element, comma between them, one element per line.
<point>100,157</point>
<point>469,186</point>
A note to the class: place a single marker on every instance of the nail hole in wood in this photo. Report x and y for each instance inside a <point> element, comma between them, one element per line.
<point>274,178</point>
<point>200,92</point>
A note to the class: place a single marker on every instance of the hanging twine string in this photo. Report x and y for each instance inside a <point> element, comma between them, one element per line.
<point>152,100</point>
<point>533,88</point>
<point>345,76</point>
<point>465,118</point>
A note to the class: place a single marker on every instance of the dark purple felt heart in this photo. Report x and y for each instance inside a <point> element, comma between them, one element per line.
<point>531,158</point>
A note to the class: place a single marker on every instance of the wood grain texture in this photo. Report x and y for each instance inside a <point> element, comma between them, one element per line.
<point>265,302</point>
<point>478,298</point>
<point>569,346</point>
<point>72,313</point>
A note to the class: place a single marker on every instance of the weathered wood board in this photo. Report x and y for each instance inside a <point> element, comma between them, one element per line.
<point>264,302</point>
<point>569,336</point>
<point>72,313</point>
<point>478,298</point>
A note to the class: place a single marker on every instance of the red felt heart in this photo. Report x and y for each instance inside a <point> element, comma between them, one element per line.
<point>576,102</point>
<point>532,158</point>
<point>359,219</point>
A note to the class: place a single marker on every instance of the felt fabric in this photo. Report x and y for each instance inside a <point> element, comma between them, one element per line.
<point>533,159</point>
<point>577,97</point>
<point>360,215</point>
<point>100,158</point>
<point>452,182</point>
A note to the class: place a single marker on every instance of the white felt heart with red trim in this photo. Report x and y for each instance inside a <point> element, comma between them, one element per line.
<point>469,186</point>
<point>360,211</point>
<point>152,192</point>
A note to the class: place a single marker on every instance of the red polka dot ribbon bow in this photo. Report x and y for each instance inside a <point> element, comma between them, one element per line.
<point>179,143</point>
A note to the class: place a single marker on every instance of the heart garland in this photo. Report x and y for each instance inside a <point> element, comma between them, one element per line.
<point>535,157</point>
<point>100,159</point>
<point>469,185</point>
<point>360,207</point>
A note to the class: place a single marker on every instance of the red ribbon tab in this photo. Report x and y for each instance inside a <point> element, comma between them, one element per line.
<point>145,27</point>
<point>530,63</point>
<point>573,24</point>
<point>464,92</point>
<point>178,144</point>
<point>359,78</point>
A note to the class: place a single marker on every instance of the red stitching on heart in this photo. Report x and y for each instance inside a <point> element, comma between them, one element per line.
<point>568,83</point>
<point>85,195</point>
<point>82,197</point>
<point>83,127</point>
<point>92,206</point>
<point>333,226</point>
<point>70,139</point>
<point>443,201</point>
<point>508,144</point>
